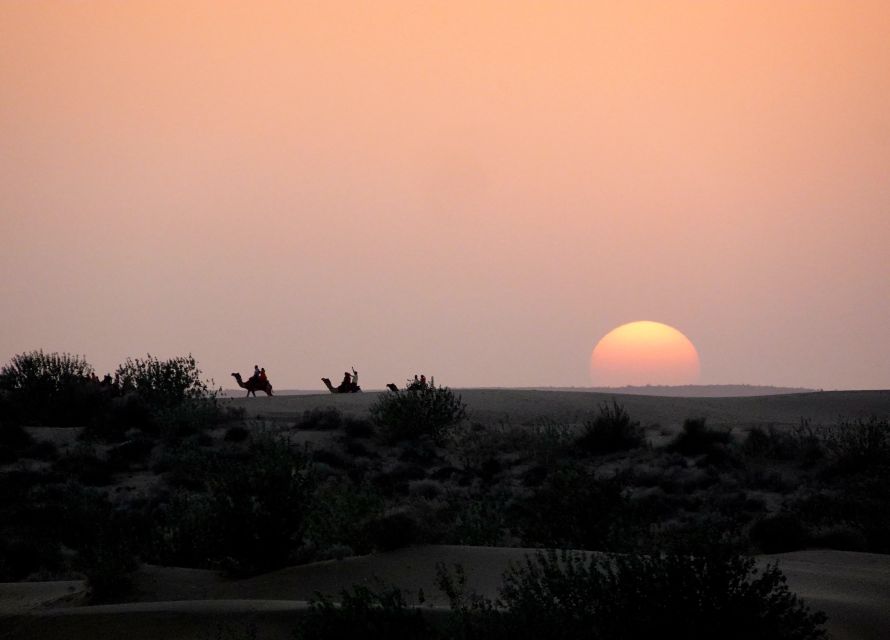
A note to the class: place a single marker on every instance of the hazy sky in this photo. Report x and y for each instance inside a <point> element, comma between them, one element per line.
<point>478,191</point>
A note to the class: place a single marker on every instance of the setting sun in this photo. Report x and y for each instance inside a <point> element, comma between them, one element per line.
<point>641,353</point>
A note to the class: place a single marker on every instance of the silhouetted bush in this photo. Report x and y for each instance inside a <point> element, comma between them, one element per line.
<point>38,375</point>
<point>697,438</point>
<point>771,444</point>
<point>611,430</point>
<point>84,465</point>
<point>779,533</point>
<point>843,537</point>
<point>14,441</point>
<point>801,443</point>
<point>573,509</point>
<point>856,447</point>
<point>372,614</point>
<point>250,514</point>
<point>571,596</point>
<point>236,434</point>
<point>342,518</point>
<point>164,382</point>
<point>418,411</point>
<point>394,530</point>
<point>718,595</point>
<point>50,389</point>
<point>358,427</point>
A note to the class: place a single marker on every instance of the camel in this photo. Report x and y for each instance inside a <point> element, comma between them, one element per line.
<point>351,388</point>
<point>253,385</point>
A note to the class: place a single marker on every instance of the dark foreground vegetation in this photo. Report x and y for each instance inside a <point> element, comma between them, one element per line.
<point>161,471</point>
<point>572,595</point>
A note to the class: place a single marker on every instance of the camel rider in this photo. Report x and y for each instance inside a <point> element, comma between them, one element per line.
<point>354,378</point>
<point>263,377</point>
<point>256,373</point>
<point>347,381</point>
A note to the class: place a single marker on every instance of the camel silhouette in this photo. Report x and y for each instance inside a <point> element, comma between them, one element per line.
<point>352,388</point>
<point>253,385</point>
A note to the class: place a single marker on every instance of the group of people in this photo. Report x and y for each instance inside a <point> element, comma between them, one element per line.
<point>349,383</point>
<point>259,375</point>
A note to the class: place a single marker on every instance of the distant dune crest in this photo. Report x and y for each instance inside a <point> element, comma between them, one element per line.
<point>695,390</point>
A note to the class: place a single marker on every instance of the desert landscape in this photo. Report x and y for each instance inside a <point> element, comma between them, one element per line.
<point>231,515</point>
<point>444,320</point>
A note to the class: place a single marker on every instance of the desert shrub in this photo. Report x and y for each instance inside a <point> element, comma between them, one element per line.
<point>39,375</point>
<point>779,533</point>
<point>189,417</point>
<point>29,541</point>
<point>51,389</point>
<point>858,502</point>
<point>843,537</point>
<point>14,441</point>
<point>236,434</point>
<point>611,430</point>
<point>859,446</point>
<point>358,427</point>
<point>418,411</point>
<point>427,489</point>
<point>477,520</point>
<point>104,538</point>
<point>86,467</point>
<point>379,613</point>
<point>697,438</point>
<point>395,529</point>
<point>330,457</point>
<point>357,449</point>
<point>771,444</point>
<point>164,382</point>
<point>250,515</point>
<point>394,480</point>
<point>573,509</point>
<point>571,595</point>
<point>802,443</point>
<point>320,420</point>
<point>342,518</point>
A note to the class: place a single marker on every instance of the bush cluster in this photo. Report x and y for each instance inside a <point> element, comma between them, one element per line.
<point>569,596</point>
<point>611,430</point>
<point>417,411</point>
<point>247,514</point>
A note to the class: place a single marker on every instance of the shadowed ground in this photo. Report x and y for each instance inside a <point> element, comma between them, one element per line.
<point>852,588</point>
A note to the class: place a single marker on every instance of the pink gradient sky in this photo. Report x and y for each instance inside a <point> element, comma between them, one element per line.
<point>479,191</point>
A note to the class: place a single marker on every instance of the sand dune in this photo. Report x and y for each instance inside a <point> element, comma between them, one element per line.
<point>852,588</point>
<point>497,406</point>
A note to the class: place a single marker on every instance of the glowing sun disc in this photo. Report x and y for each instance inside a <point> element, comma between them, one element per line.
<point>644,352</point>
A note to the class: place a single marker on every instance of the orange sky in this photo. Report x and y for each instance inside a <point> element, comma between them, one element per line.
<point>476,192</point>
